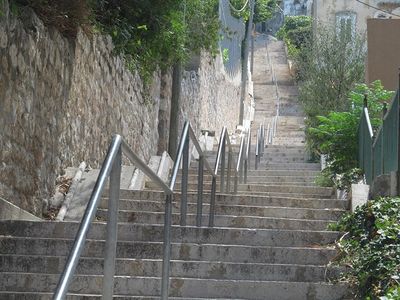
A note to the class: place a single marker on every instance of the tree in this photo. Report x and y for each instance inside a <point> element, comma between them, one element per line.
<point>296,32</point>
<point>263,9</point>
<point>329,66</point>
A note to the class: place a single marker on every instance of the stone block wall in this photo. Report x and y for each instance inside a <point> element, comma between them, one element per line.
<point>61,101</point>
<point>210,98</point>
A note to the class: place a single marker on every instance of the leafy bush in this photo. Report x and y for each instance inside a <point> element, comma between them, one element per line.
<point>149,34</point>
<point>296,31</point>
<point>324,179</point>
<point>263,9</point>
<point>371,248</point>
<point>336,134</point>
<point>158,33</point>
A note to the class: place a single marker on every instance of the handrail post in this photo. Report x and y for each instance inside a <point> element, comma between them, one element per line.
<point>235,187</point>
<point>90,211</point>
<point>245,171</point>
<point>249,157</point>
<point>384,111</point>
<point>112,228</point>
<point>257,154</point>
<point>222,177</point>
<point>241,171</point>
<point>263,141</point>
<point>166,248</point>
<point>212,202</point>
<point>200,192</point>
<point>228,176</point>
<point>185,171</point>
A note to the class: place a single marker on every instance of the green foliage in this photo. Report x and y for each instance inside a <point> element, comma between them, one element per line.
<point>153,34</point>
<point>336,134</point>
<point>148,34</point>
<point>225,55</point>
<point>372,248</point>
<point>324,179</point>
<point>296,31</point>
<point>393,293</point>
<point>263,9</point>
<point>328,68</point>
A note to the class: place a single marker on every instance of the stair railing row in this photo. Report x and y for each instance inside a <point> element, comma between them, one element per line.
<point>246,163</point>
<point>111,168</point>
<point>379,153</point>
<point>273,125</point>
<point>260,145</point>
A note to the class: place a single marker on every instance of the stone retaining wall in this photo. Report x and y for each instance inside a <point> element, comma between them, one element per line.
<point>61,101</point>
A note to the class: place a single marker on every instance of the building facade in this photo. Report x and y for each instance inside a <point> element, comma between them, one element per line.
<point>353,14</point>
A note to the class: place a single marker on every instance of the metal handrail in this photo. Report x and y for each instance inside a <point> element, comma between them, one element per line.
<point>182,156</point>
<point>260,144</point>
<point>223,141</point>
<point>111,168</point>
<point>273,128</point>
<point>247,155</point>
<point>367,119</point>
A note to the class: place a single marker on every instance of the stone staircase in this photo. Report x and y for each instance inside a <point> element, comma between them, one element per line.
<point>269,241</point>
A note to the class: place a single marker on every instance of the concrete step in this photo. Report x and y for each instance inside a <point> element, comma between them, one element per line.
<point>154,233</point>
<point>267,188</point>
<point>258,179</point>
<point>284,195</point>
<point>306,183</point>
<point>179,251</point>
<point>74,296</point>
<point>300,189</point>
<point>266,158</point>
<point>229,199</point>
<point>144,217</point>
<point>230,210</point>
<point>280,172</point>
<point>290,166</point>
<point>179,268</point>
<point>182,287</point>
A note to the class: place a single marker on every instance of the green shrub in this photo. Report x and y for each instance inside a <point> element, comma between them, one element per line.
<point>158,33</point>
<point>148,34</point>
<point>336,134</point>
<point>324,179</point>
<point>371,248</point>
<point>296,31</point>
<point>263,9</point>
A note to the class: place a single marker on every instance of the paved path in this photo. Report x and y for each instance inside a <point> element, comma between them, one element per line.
<point>272,81</point>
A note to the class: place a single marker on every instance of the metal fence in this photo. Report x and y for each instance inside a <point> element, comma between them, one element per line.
<point>379,153</point>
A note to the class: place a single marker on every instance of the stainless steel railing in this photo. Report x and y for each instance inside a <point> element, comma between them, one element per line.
<point>111,169</point>
<point>273,125</point>
<point>260,145</point>
<point>183,156</point>
<point>241,166</point>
